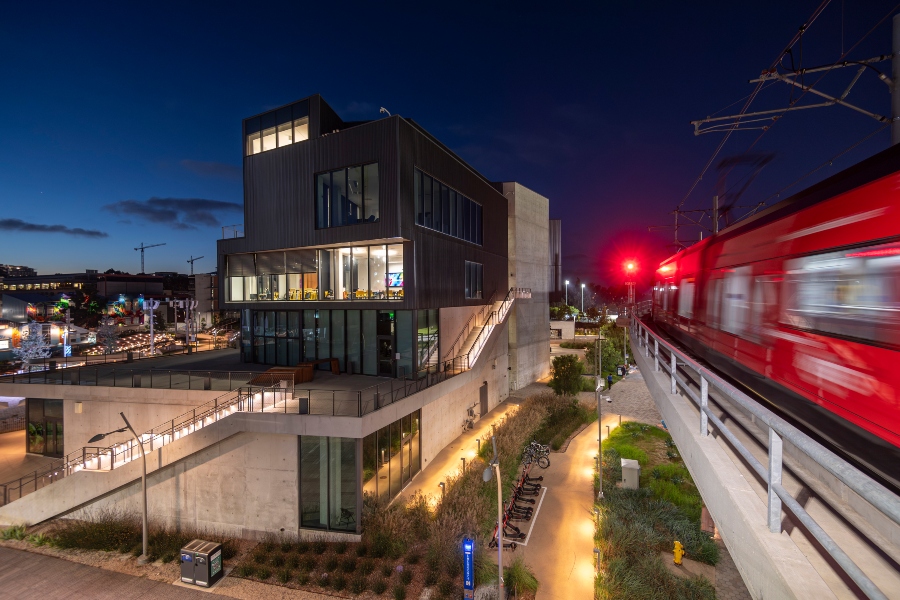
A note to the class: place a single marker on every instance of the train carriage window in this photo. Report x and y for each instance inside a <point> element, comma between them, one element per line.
<point>736,300</point>
<point>686,298</point>
<point>713,303</point>
<point>851,294</point>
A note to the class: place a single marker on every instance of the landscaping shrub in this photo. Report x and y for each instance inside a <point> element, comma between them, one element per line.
<point>348,565</point>
<point>319,546</point>
<point>358,584</point>
<point>519,578</point>
<point>263,573</point>
<point>565,375</point>
<point>366,567</point>
<point>431,578</point>
<point>563,418</point>
<point>309,563</point>
<point>277,560</point>
<point>40,539</point>
<point>361,550</point>
<point>331,563</point>
<point>338,582</point>
<point>16,532</point>
<point>287,547</point>
<point>260,557</point>
<point>340,548</point>
<point>379,586</point>
<point>406,577</point>
<point>303,578</point>
<point>285,575</point>
<point>292,561</point>
<point>103,530</point>
<point>386,570</point>
<point>302,547</point>
<point>413,558</point>
<point>246,570</point>
<point>399,592</point>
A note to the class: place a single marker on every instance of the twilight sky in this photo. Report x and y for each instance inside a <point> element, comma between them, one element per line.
<point>121,124</point>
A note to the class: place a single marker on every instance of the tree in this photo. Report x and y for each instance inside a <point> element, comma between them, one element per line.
<point>32,345</point>
<point>565,375</point>
<point>108,335</point>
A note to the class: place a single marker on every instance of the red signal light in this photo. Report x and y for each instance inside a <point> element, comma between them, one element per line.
<point>630,266</point>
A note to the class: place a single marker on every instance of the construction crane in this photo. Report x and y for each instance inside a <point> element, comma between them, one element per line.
<point>142,247</point>
<point>192,263</point>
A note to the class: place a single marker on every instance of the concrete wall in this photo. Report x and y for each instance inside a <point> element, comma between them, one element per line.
<point>451,322</point>
<point>567,329</point>
<point>145,408</point>
<point>529,267</point>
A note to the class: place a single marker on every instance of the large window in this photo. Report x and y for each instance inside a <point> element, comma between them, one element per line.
<point>275,129</point>
<point>328,473</point>
<point>391,456</point>
<point>347,196</point>
<point>351,273</point>
<point>474,279</point>
<point>443,209</point>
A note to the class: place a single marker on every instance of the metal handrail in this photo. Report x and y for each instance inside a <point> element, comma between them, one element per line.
<point>464,332</point>
<point>135,378</point>
<point>870,490</point>
<point>487,327</point>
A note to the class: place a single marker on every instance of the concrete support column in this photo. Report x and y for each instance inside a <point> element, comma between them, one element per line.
<point>774,479</point>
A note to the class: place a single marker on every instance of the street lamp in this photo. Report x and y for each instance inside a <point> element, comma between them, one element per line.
<point>567,292</point>
<point>441,484</point>
<point>582,298</point>
<point>597,382</point>
<point>143,558</point>
<point>495,464</point>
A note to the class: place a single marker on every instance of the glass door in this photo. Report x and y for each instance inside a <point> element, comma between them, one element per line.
<point>53,429</point>
<point>386,356</point>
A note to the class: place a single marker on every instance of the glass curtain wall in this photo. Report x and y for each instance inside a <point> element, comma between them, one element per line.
<point>328,475</point>
<point>443,209</point>
<point>276,129</point>
<point>347,196</point>
<point>391,457</point>
<point>279,337</point>
<point>44,418</point>
<point>348,273</point>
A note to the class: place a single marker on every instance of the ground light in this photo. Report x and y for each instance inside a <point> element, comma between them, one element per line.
<point>143,558</point>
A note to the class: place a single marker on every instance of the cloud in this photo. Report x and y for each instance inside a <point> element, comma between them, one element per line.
<point>178,213</point>
<point>212,169</point>
<point>20,225</point>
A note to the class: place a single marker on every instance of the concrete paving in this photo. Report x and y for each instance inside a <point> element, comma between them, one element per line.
<point>14,462</point>
<point>560,548</point>
<point>28,576</point>
<point>448,461</point>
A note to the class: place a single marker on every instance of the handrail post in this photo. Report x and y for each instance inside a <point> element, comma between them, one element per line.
<point>674,366</point>
<point>704,403</point>
<point>774,480</point>
<point>655,354</point>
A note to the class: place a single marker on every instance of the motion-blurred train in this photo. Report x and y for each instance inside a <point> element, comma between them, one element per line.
<point>800,306</point>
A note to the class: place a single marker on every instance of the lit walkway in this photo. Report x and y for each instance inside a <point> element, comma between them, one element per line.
<point>14,463</point>
<point>28,576</point>
<point>560,549</point>
<point>448,462</point>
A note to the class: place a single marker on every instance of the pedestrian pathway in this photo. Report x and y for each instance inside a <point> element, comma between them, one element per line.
<point>560,549</point>
<point>14,462</point>
<point>29,576</point>
<point>449,460</point>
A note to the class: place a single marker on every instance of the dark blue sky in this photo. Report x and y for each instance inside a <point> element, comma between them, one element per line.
<point>107,107</point>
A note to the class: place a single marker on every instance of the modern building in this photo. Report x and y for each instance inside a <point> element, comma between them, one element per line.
<point>369,249</point>
<point>16,271</point>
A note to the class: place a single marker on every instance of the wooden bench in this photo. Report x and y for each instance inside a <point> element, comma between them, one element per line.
<point>335,364</point>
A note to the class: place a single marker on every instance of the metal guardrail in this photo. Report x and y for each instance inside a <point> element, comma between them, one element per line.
<point>494,318</point>
<point>12,424</point>
<point>137,378</point>
<point>670,359</point>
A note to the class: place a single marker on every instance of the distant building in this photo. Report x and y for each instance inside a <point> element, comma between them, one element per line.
<point>16,271</point>
<point>556,280</point>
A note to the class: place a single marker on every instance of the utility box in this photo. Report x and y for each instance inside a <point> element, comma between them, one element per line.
<point>201,563</point>
<point>631,474</point>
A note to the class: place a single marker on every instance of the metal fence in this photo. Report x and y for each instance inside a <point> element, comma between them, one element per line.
<point>683,371</point>
<point>9,424</point>
<point>111,376</point>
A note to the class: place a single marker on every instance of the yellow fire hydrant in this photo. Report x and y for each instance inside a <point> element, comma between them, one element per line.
<point>678,551</point>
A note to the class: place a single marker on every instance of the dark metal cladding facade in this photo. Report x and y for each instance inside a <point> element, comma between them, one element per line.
<point>279,209</point>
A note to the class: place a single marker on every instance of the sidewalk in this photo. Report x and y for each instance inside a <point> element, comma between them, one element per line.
<point>14,462</point>
<point>560,549</point>
<point>448,461</point>
<point>27,576</point>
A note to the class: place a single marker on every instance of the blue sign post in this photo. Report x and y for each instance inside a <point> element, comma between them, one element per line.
<point>468,548</point>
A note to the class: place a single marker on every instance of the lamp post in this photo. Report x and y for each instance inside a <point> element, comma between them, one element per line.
<point>143,558</point>
<point>441,484</point>
<point>488,473</point>
<point>582,298</point>
<point>597,382</point>
<point>567,292</point>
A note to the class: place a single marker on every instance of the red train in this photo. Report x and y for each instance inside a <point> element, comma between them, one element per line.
<point>800,305</point>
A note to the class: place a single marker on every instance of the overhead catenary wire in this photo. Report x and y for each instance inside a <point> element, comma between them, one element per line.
<point>750,99</point>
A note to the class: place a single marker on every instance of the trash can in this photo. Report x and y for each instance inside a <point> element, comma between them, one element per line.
<point>201,563</point>
<point>620,370</point>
